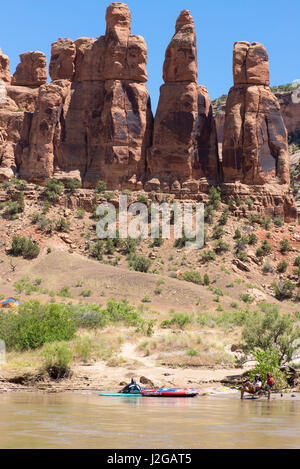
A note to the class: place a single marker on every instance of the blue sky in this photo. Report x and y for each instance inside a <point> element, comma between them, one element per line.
<point>34,25</point>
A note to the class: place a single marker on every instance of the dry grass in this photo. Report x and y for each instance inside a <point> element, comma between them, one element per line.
<point>188,349</point>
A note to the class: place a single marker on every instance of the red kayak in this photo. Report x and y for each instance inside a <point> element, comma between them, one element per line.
<point>166,392</point>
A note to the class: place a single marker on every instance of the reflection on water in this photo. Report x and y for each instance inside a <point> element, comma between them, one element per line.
<point>89,421</point>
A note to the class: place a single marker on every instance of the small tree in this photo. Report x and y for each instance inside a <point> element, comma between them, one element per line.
<point>268,362</point>
<point>267,330</point>
<point>101,187</point>
<point>285,246</point>
<point>215,196</point>
<point>281,266</point>
<point>139,263</point>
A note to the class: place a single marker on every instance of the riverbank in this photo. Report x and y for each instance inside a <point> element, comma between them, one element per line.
<point>99,377</point>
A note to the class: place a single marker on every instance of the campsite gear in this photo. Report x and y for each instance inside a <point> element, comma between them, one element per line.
<point>10,303</point>
<point>166,392</point>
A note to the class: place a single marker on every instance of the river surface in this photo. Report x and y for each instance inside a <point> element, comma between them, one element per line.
<point>31,420</point>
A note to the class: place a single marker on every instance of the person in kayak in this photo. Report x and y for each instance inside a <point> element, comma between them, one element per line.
<point>269,384</point>
<point>252,388</point>
<point>132,388</point>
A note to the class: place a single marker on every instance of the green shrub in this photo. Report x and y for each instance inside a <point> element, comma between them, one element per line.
<point>35,324</point>
<point>268,362</point>
<point>62,225</point>
<point>297,261</point>
<point>22,246</point>
<point>224,217</point>
<point>128,245</point>
<point>181,242</point>
<point>285,246</point>
<point>217,232</point>
<point>123,312</point>
<point>101,187</point>
<point>139,263</point>
<point>142,198</point>
<point>284,290</point>
<point>146,299</point>
<point>253,217</point>
<point>206,280</point>
<point>27,286</point>
<point>86,293</point>
<point>46,207</point>
<point>208,214</point>
<point>246,298</point>
<point>178,319</point>
<point>237,234</point>
<point>64,292</point>
<point>252,239</point>
<point>58,358</point>
<point>80,213</point>
<point>266,223</point>
<point>97,249</point>
<point>215,196</point>
<point>207,256</point>
<point>72,184</point>
<point>278,221</point>
<point>53,190</point>
<point>221,246</point>
<point>242,256</point>
<point>281,266</point>
<point>265,249</point>
<point>157,242</point>
<point>14,208</point>
<point>192,352</point>
<point>193,277</point>
<point>89,316</point>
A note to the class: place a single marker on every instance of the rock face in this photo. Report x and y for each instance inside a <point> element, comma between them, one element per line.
<point>290,110</point>
<point>255,151</point>
<point>4,68</point>
<point>94,120</point>
<point>14,130</point>
<point>32,70</point>
<point>255,139</point>
<point>62,63</point>
<point>184,137</point>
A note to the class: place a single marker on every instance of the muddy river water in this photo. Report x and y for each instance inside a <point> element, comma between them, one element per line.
<point>29,420</point>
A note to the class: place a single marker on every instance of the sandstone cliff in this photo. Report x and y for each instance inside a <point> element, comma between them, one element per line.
<point>255,138</point>
<point>93,121</point>
<point>184,138</point>
<point>255,145</point>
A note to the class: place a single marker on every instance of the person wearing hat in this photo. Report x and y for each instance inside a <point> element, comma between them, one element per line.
<point>252,388</point>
